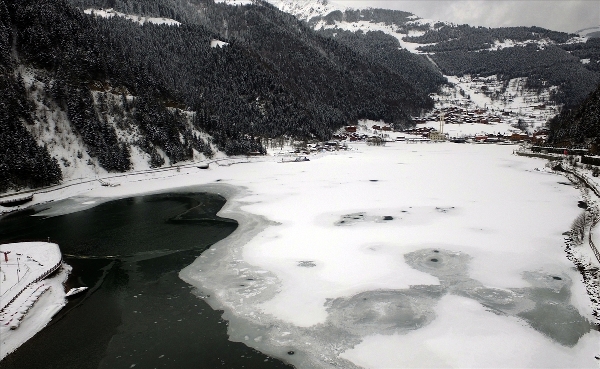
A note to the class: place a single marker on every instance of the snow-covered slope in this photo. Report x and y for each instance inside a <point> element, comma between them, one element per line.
<point>464,91</point>
<point>109,13</point>
<point>512,99</point>
<point>53,129</point>
<point>307,9</point>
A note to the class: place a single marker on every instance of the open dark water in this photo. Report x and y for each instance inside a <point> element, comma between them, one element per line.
<point>137,313</point>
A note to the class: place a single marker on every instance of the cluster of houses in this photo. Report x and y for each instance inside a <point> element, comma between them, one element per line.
<point>380,132</point>
<point>306,148</point>
<point>351,133</point>
<point>538,137</point>
<point>531,116</point>
<point>458,115</point>
<point>514,100</point>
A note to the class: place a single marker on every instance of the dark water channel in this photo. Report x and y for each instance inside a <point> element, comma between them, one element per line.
<point>137,313</point>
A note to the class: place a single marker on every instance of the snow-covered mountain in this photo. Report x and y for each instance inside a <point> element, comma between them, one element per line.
<point>307,9</point>
<point>589,32</point>
<point>53,129</point>
<point>495,89</point>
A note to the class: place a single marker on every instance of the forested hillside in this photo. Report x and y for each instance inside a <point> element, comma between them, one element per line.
<point>22,161</point>
<point>578,126</point>
<point>166,92</point>
<point>564,63</point>
<point>384,49</point>
<point>543,66</point>
<point>545,57</point>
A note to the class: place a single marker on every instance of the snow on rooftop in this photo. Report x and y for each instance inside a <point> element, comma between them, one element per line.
<point>109,13</point>
<point>28,297</point>
<point>27,261</point>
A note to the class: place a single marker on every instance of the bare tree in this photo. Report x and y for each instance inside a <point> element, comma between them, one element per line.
<point>578,228</point>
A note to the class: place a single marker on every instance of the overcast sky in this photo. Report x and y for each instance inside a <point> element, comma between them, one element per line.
<point>559,15</point>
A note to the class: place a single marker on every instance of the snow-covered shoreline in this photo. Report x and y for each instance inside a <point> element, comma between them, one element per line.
<point>313,236</point>
<point>30,294</point>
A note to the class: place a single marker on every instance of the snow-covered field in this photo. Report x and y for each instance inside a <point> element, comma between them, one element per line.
<point>408,255</point>
<point>109,13</point>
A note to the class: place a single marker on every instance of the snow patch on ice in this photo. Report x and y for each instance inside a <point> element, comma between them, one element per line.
<point>466,335</point>
<point>357,269</point>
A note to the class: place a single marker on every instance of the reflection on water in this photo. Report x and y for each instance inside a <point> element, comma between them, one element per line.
<point>137,311</point>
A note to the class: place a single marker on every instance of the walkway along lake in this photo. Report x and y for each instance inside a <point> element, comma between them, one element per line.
<point>137,312</point>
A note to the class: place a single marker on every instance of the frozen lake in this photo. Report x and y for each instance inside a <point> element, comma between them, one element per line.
<point>410,255</point>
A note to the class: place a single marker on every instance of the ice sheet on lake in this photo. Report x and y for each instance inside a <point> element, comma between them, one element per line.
<point>354,254</point>
<point>292,280</point>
